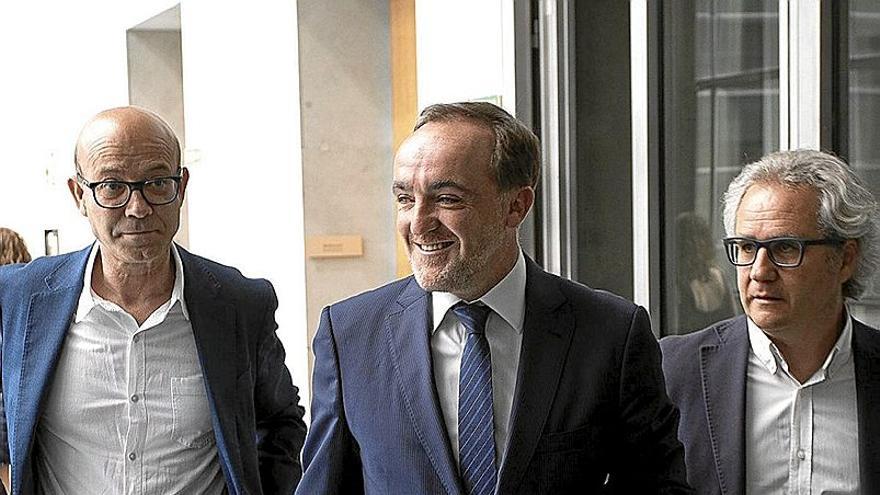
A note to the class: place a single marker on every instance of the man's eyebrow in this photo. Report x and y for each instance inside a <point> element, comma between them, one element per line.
<point>119,168</point>
<point>404,186</point>
<point>443,184</point>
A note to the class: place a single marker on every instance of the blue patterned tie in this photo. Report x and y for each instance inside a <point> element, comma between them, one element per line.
<point>476,426</point>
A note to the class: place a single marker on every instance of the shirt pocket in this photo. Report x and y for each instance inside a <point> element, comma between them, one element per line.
<point>190,417</point>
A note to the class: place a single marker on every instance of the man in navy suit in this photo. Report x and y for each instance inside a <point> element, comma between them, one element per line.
<point>482,373</point>
<point>784,399</point>
<point>133,365</point>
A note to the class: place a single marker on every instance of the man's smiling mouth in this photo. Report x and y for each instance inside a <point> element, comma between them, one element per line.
<point>434,246</point>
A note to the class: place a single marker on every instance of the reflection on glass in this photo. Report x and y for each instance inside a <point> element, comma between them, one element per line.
<point>721,104</point>
<point>864,117</point>
<point>703,294</point>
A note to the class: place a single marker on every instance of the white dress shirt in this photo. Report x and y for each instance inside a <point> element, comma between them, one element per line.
<point>801,438</point>
<point>503,331</point>
<point>127,411</point>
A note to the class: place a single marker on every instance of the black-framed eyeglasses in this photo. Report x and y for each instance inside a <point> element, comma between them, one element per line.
<point>784,252</point>
<point>157,191</point>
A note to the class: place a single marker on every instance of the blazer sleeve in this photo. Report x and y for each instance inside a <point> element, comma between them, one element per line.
<point>331,456</point>
<point>651,459</point>
<point>4,440</point>
<point>279,417</point>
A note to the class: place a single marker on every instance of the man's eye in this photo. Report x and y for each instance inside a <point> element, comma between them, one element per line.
<point>403,199</point>
<point>747,247</point>
<point>448,200</point>
<point>112,187</point>
<point>785,247</point>
<point>159,183</point>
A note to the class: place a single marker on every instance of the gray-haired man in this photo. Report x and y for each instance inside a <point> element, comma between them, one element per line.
<point>780,400</point>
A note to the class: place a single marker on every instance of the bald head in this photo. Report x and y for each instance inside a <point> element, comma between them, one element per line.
<point>128,158</point>
<point>115,130</point>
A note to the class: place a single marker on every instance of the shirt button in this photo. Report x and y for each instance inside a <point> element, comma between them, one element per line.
<point>801,455</point>
<point>132,456</point>
<point>137,338</point>
<point>134,398</point>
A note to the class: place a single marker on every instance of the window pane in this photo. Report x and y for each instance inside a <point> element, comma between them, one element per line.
<point>864,117</point>
<point>721,104</point>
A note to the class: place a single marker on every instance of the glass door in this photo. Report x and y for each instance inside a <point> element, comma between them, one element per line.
<point>721,109</point>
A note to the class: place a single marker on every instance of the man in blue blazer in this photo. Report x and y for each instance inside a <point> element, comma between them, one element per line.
<point>133,364</point>
<point>784,399</point>
<point>483,373</point>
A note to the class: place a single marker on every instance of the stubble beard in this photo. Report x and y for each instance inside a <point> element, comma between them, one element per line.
<point>458,274</point>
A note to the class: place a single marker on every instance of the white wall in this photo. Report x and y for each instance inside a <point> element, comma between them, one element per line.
<point>62,62</point>
<point>241,102</point>
<point>465,51</point>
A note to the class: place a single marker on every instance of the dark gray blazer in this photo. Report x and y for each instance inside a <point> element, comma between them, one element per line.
<point>706,378</point>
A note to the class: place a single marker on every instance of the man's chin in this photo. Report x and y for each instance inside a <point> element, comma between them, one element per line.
<point>767,321</point>
<point>434,282</point>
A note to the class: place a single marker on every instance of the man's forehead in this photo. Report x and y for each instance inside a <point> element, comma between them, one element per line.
<point>770,195</point>
<point>118,133</point>
<point>98,128</point>
<point>780,208</point>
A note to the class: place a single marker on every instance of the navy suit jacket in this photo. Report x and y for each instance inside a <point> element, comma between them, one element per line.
<point>589,404</point>
<point>255,409</point>
<point>706,377</point>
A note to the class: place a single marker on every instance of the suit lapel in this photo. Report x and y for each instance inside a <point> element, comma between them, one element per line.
<point>213,322</point>
<point>408,332</point>
<point>547,334</point>
<point>866,351</point>
<point>49,317</point>
<point>723,375</point>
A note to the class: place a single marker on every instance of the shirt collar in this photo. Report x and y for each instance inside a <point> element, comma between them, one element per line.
<point>770,357</point>
<point>507,298</point>
<point>88,299</point>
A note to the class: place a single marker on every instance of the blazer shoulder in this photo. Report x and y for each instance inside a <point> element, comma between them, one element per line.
<point>373,299</point>
<point>602,321</point>
<point>868,330</point>
<point>866,339</point>
<point>31,277</point>
<point>201,270</point>
<point>680,350</point>
<point>586,298</point>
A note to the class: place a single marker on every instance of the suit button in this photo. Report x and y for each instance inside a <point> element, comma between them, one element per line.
<point>134,398</point>
<point>132,456</point>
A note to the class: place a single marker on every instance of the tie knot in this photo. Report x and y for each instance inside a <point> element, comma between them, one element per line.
<point>472,316</point>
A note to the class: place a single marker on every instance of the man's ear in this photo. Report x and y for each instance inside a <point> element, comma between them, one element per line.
<point>184,180</point>
<point>77,192</point>
<point>849,259</point>
<point>520,202</point>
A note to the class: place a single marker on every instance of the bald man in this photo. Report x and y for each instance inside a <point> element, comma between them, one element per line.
<point>133,366</point>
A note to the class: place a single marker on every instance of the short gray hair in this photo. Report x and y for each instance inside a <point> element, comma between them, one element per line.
<point>846,209</point>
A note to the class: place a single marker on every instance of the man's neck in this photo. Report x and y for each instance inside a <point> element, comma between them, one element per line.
<point>506,262</point>
<point>138,288</point>
<point>805,350</point>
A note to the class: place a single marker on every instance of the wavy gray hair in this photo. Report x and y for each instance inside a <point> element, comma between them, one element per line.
<point>847,209</point>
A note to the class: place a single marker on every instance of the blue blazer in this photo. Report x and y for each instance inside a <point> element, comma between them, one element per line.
<point>590,412</point>
<point>254,407</point>
<point>706,377</point>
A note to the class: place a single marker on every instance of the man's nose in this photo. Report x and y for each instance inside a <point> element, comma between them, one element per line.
<point>137,206</point>
<point>763,269</point>
<point>424,218</point>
